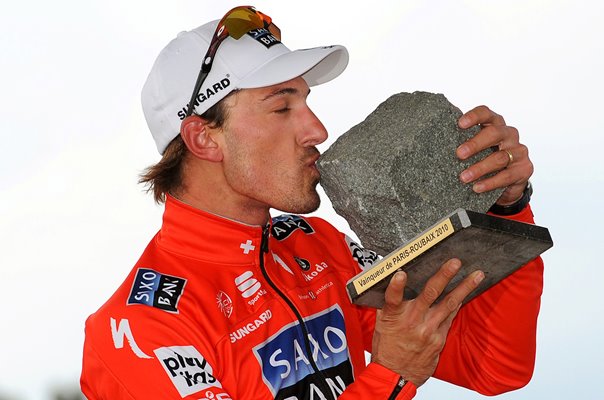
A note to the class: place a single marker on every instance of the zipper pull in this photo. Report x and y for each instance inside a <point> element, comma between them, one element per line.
<point>264,242</point>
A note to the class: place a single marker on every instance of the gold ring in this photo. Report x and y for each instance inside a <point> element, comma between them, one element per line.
<point>510,156</point>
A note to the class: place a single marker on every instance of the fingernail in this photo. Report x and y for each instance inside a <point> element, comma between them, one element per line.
<point>463,151</point>
<point>466,176</point>
<point>463,122</point>
<point>479,277</point>
<point>455,265</point>
<point>478,187</point>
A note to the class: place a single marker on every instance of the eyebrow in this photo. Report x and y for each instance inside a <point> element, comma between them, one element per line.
<point>284,91</point>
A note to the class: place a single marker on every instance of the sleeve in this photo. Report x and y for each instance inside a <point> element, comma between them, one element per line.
<point>122,361</point>
<point>378,382</point>
<point>491,345</point>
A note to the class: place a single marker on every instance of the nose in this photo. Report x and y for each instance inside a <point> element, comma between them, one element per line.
<point>313,131</point>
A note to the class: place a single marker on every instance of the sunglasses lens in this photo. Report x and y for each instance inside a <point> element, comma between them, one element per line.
<point>237,22</point>
<point>240,21</point>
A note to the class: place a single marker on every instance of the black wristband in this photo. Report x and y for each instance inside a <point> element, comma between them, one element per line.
<point>516,207</point>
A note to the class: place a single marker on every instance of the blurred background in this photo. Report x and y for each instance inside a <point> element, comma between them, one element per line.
<point>73,220</point>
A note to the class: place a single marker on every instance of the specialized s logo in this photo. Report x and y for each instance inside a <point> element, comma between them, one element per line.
<point>156,290</point>
<point>122,331</point>
<point>187,369</point>
<point>284,225</point>
<point>286,368</point>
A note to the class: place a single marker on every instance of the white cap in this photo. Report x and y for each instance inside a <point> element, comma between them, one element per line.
<point>252,61</point>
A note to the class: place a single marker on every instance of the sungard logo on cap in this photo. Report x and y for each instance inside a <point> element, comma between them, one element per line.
<point>204,95</point>
<point>187,369</point>
<point>285,225</point>
<point>156,290</point>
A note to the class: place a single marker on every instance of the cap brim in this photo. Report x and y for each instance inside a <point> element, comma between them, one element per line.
<point>316,65</point>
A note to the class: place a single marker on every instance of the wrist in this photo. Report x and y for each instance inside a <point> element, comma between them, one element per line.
<point>515,207</point>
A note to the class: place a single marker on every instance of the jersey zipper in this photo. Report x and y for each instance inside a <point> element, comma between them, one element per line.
<point>263,250</point>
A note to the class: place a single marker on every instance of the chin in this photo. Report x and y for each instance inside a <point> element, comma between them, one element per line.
<point>302,205</point>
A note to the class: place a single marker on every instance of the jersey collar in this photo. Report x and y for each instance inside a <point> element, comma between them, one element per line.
<point>209,237</point>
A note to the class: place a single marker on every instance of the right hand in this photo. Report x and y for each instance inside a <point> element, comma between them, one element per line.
<point>410,334</point>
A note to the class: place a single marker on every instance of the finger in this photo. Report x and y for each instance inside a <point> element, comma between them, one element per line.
<point>514,178</point>
<point>502,136</point>
<point>394,292</point>
<point>456,296</point>
<point>446,324</point>
<point>480,115</point>
<point>437,283</point>
<point>452,302</point>
<point>496,161</point>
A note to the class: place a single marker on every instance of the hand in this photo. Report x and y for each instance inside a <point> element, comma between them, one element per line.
<point>514,171</point>
<point>410,334</point>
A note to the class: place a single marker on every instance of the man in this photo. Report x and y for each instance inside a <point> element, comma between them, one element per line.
<point>227,303</point>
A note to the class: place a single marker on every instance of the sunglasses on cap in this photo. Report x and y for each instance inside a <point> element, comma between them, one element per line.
<point>235,23</point>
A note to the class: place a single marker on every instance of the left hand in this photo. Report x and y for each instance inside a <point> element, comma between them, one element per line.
<point>514,171</point>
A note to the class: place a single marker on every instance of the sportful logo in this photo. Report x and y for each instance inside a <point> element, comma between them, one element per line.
<point>189,371</point>
<point>285,225</point>
<point>249,286</point>
<point>156,290</point>
<point>286,368</point>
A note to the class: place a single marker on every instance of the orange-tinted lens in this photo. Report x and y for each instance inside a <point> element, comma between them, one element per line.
<point>241,20</point>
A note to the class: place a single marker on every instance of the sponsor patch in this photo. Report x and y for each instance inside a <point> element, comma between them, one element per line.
<point>285,225</point>
<point>303,263</point>
<point>122,331</point>
<point>204,95</point>
<point>225,304</point>
<point>156,290</point>
<point>250,287</point>
<point>189,371</point>
<point>264,36</point>
<point>310,275</point>
<point>364,257</point>
<point>286,367</point>
<point>251,326</point>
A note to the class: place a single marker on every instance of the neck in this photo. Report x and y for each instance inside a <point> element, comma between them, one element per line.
<point>205,188</point>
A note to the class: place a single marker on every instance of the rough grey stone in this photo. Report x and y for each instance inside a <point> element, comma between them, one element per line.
<point>396,173</point>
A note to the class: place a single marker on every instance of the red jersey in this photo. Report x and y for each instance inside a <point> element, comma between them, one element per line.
<point>216,309</point>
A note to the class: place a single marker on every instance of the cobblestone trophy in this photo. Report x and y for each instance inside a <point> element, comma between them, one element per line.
<point>394,178</point>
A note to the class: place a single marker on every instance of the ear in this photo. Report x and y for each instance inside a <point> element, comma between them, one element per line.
<point>195,132</point>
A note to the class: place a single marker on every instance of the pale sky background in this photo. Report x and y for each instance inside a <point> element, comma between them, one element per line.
<point>73,220</point>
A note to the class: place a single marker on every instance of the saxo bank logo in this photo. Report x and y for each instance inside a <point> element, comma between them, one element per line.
<point>286,368</point>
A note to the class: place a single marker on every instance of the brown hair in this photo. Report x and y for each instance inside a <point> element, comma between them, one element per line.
<point>166,177</point>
